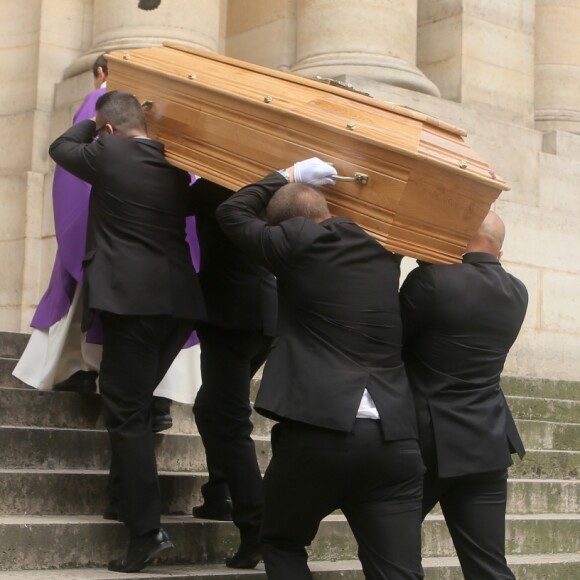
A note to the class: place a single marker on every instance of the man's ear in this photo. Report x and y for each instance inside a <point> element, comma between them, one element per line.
<point>500,255</point>
<point>100,78</point>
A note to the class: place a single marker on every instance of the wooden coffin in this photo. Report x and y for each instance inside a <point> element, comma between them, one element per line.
<point>419,188</point>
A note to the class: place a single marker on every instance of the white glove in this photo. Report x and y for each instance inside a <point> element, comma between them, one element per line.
<point>314,172</point>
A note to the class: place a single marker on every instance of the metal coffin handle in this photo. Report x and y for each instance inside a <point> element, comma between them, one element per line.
<point>362,178</point>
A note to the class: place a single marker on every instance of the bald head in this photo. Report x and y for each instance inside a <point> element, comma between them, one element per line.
<point>489,237</point>
<point>297,200</point>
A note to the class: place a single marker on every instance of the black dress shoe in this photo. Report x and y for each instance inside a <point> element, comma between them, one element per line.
<point>247,556</point>
<point>161,423</point>
<point>80,382</point>
<point>141,551</point>
<point>220,510</point>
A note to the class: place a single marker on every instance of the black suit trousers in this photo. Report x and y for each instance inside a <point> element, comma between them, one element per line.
<point>376,483</point>
<point>222,410</point>
<point>474,508</point>
<point>137,352</point>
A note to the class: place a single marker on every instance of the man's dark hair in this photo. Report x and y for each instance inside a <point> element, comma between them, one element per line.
<point>100,62</point>
<point>121,110</point>
<point>297,200</point>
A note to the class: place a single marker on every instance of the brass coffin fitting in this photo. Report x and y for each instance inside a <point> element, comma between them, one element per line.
<point>362,178</point>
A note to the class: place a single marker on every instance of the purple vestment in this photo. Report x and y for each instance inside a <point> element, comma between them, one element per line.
<point>70,199</point>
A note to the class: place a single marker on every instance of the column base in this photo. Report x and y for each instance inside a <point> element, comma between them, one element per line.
<point>384,69</point>
<point>558,120</point>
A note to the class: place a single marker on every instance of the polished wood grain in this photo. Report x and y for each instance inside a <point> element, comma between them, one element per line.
<point>233,122</point>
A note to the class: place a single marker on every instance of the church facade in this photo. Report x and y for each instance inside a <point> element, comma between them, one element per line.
<point>506,72</point>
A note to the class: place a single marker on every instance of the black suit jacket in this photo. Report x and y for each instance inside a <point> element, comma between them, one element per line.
<point>137,259</point>
<point>239,293</point>
<point>339,322</point>
<point>459,322</point>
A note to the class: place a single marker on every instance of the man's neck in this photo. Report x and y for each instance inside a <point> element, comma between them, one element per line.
<point>134,134</point>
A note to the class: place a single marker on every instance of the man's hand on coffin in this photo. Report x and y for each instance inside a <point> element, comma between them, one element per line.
<point>314,172</point>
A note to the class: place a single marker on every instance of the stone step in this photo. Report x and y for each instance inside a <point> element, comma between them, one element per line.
<point>83,492</point>
<point>525,567</point>
<point>558,410</point>
<point>541,496</point>
<point>540,388</point>
<point>523,408</point>
<point>547,464</point>
<point>525,534</point>
<point>30,407</point>
<point>45,448</point>
<point>7,379</point>
<point>12,344</point>
<point>549,435</point>
<point>33,542</point>
<point>22,407</point>
<point>528,567</point>
<point>34,408</point>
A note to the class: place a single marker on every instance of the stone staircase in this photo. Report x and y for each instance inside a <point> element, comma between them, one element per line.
<point>54,467</point>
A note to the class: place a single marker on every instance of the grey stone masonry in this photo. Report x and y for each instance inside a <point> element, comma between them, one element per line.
<point>53,476</point>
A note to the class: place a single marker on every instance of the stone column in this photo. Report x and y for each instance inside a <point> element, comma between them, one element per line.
<point>481,53</point>
<point>557,65</point>
<point>375,39</point>
<point>119,25</point>
<point>262,32</point>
